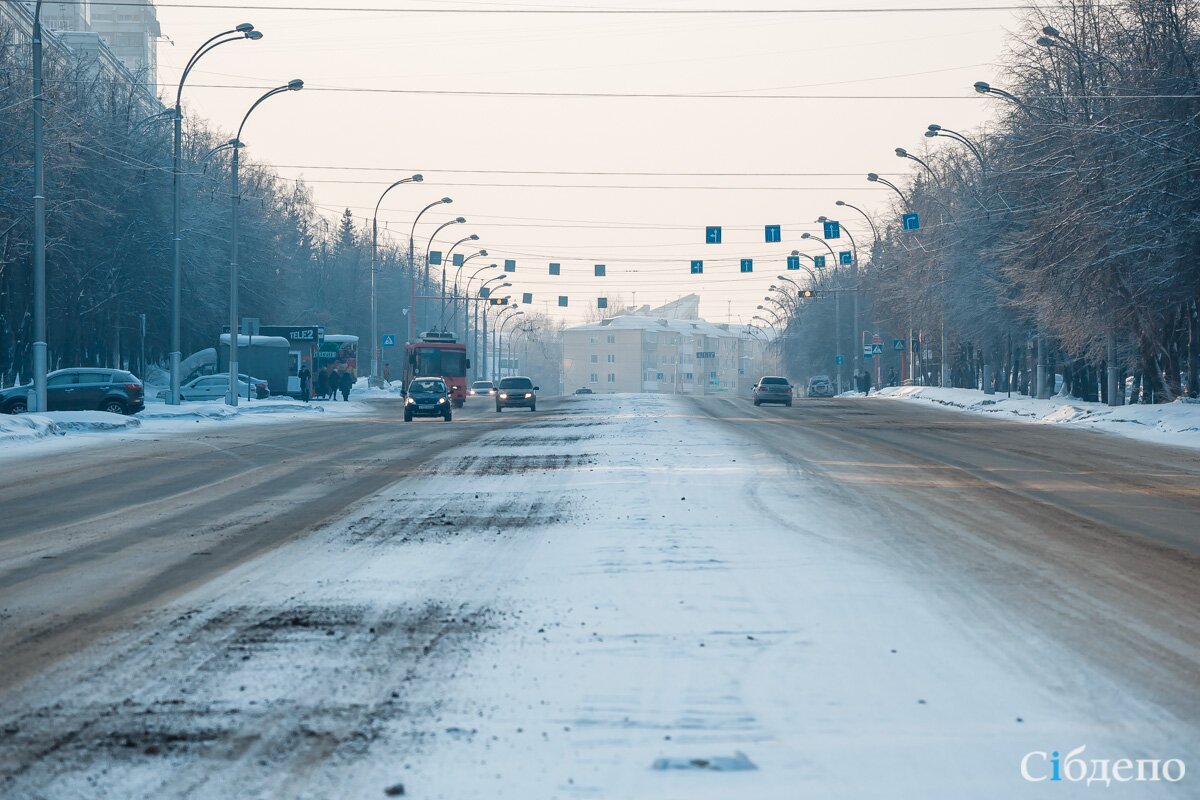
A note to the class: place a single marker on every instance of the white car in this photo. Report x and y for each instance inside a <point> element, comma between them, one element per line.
<point>215,387</point>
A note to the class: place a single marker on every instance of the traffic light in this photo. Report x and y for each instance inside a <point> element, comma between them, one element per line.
<point>807,293</point>
<point>497,301</point>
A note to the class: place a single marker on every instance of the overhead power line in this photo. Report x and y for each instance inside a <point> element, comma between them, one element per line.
<point>596,11</point>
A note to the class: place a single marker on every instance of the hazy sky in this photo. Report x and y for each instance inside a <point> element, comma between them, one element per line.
<point>515,165</point>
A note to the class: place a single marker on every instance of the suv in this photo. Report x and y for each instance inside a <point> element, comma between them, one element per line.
<point>772,389</point>
<point>820,386</point>
<point>81,389</point>
<point>516,392</point>
<point>482,388</point>
<point>427,397</point>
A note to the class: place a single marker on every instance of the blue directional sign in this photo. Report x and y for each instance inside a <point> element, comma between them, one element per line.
<point>389,340</point>
<point>898,345</point>
<point>911,221</point>
<point>819,262</point>
<point>434,257</point>
<point>712,234</point>
<point>510,265</point>
<point>877,348</point>
<point>600,270</point>
<point>601,302</point>
<point>845,258</point>
<point>747,265</point>
<point>793,262</point>
<point>556,269</point>
<point>833,229</point>
<point>527,298</point>
<point>562,300</point>
<point>774,233</point>
<point>697,267</point>
<point>458,259</point>
<point>839,360</point>
<point>485,292</point>
<point>868,352</point>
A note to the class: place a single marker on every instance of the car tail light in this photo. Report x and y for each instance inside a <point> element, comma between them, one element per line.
<point>136,388</point>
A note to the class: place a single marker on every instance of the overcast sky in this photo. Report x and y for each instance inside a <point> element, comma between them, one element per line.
<point>514,165</point>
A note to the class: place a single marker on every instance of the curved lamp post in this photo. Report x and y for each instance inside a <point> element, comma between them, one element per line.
<point>874,230</point>
<point>445,258</point>
<point>243,31</point>
<point>412,263</point>
<point>503,321</point>
<point>934,130</point>
<point>376,372</point>
<point>873,177</point>
<point>237,145</point>
<point>902,153</point>
<point>487,310</point>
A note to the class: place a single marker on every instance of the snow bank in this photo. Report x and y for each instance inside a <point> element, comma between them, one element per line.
<point>25,428</point>
<point>1175,423</point>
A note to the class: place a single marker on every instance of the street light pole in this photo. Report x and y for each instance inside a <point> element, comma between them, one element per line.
<point>501,322</point>
<point>445,258</point>
<point>412,264</point>
<point>871,222</point>
<point>39,225</point>
<point>236,143</point>
<point>243,31</point>
<point>454,286</point>
<point>472,329</point>
<point>376,372</point>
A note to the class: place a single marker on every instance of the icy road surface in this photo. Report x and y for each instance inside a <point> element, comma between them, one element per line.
<point>540,606</point>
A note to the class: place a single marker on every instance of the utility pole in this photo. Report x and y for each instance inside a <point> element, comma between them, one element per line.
<point>39,224</point>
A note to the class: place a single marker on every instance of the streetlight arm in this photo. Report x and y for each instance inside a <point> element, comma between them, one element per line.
<point>290,86</point>
<point>866,216</point>
<point>208,46</point>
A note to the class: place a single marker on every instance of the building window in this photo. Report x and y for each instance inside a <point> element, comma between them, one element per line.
<point>595,358</point>
<point>592,340</point>
<point>612,377</point>
<point>687,376</point>
<point>612,359</point>
<point>612,339</point>
<point>594,378</point>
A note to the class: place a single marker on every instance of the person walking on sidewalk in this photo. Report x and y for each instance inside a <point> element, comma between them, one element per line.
<point>323,383</point>
<point>305,378</point>
<point>346,383</point>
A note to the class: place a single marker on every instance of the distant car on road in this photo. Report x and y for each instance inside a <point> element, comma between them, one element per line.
<point>82,389</point>
<point>482,389</point>
<point>820,386</point>
<point>772,389</point>
<point>427,397</point>
<point>516,392</point>
<point>216,387</point>
<point>584,390</point>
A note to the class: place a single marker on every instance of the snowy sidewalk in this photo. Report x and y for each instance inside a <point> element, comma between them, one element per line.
<point>1175,423</point>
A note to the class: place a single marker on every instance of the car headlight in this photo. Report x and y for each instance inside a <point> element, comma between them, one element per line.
<point>441,399</point>
<point>528,395</point>
<point>503,396</point>
<point>409,401</point>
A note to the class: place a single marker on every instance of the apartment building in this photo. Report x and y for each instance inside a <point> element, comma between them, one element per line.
<point>128,32</point>
<point>634,353</point>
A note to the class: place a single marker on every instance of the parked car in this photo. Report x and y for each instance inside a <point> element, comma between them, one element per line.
<point>482,389</point>
<point>772,389</point>
<point>427,397</point>
<point>216,387</point>
<point>584,390</point>
<point>820,386</point>
<point>516,392</point>
<point>82,389</point>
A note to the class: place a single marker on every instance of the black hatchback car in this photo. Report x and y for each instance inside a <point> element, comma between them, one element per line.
<point>427,397</point>
<point>82,389</point>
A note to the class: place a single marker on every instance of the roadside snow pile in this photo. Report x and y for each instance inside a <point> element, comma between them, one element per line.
<point>1175,423</point>
<point>25,427</point>
<point>35,427</point>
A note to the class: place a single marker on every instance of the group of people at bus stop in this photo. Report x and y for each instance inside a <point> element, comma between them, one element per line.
<point>330,380</point>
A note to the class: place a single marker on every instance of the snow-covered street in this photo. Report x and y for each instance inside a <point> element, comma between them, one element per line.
<point>626,597</point>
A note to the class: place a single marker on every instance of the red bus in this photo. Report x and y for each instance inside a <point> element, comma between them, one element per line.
<point>439,355</point>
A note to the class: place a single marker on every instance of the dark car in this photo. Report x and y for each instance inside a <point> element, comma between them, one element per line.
<point>820,386</point>
<point>772,389</point>
<point>427,397</point>
<point>516,392</point>
<point>584,390</point>
<point>82,389</point>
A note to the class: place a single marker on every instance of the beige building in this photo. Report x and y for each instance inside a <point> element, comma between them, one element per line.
<point>636,353</point>
<point>127,33</point>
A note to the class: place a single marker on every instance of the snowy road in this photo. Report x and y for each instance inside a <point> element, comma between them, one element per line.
<point>866,599</point>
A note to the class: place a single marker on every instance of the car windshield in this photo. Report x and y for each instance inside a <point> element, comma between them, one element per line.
<point>481,385</point>
<point>427,386</point>
<point>439,361</point>
<point>516,383</point>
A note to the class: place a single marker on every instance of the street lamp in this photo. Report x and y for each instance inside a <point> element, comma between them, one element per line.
<point>236,143</point>
<point>935,130</point>
<point>873,177</point>
<point>243,31</point>
<point>501,321</point>
<point>902,153</point>
<point>445,258</point>
<point>457,273</point>
<point>412,265</point>
<point>867,217</point>
<point>375,344</point>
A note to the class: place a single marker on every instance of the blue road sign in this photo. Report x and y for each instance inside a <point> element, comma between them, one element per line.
<point>868,352</point>
<point>747,265</point>
<point>389,340</point>
<point>911,221</point>
<point>562,300</point>
<point>485,292</point>
<point>793,262</point>
<point>527,298</point>
<point>600,269</point>
<point>898,345</point>
<point>434,257</point>
<point>712,234</point>
<point>845,258</point>
<point>601,302</point>
<point>697,267</point>
<point>774,233</point>
<point>819,262</point>
<point>839,360</point>
<point>877,348</point>
<point>458,259</point>
<point>833,229</point>
<point>510,265</point>
<point>556,269</point>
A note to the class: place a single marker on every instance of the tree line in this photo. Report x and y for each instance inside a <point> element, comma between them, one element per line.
<point>1074,217</point>
<point>108,229</point>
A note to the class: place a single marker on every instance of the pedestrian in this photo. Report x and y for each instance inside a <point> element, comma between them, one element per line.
<point>323,382</point>
<point>347,383</point>
<point>334,381</point>
<point>387,374</point>
<point>305,377</point>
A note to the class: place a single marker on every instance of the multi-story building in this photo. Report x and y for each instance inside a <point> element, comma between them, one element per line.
<point>129,32</point>
<point>635,353</point>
